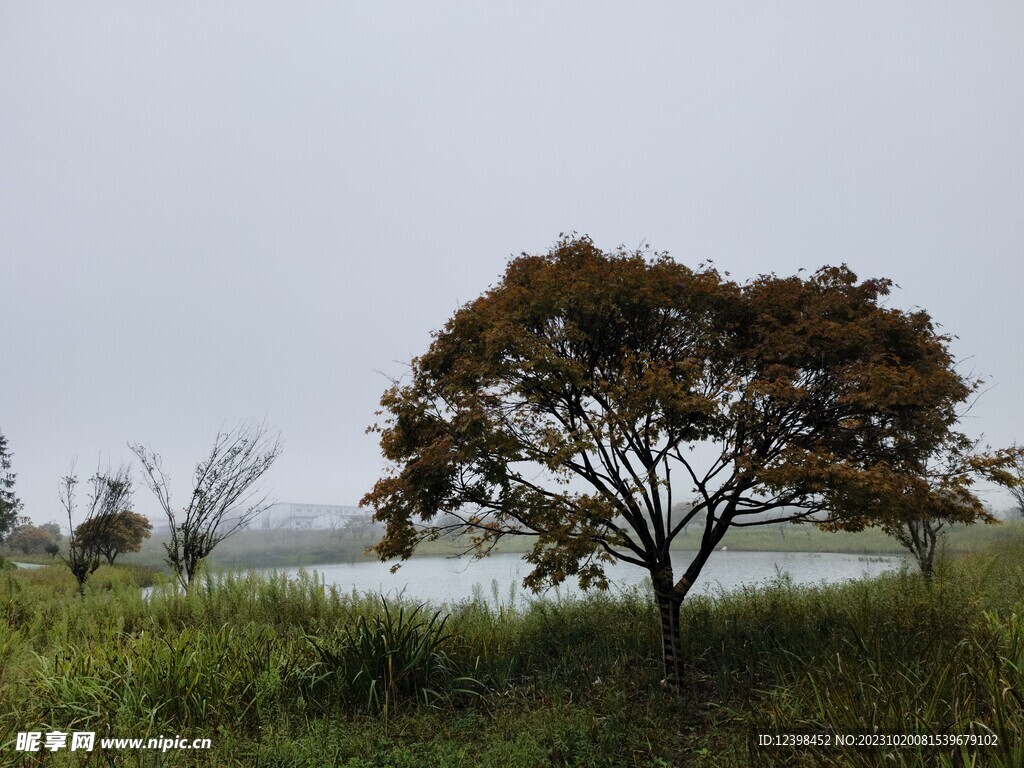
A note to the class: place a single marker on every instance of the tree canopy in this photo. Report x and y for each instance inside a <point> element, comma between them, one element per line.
<point>123,532</point>
<point>566,403</point>
<point>53,529</point>
<point>30,539</point>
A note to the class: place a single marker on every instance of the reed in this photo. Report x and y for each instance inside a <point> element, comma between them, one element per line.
<point>286,672</point>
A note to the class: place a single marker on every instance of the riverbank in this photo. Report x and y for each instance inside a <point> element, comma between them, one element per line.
<point>284,673</point>
<point>296,549</point>
<point>788,537</point>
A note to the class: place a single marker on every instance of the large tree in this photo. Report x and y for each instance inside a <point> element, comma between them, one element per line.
<point>563,404</point>
<point>10,505</point>
<point>224,497</point>
<point>125,532</point>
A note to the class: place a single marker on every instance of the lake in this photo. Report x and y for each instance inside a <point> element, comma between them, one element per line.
<point>441,579</point>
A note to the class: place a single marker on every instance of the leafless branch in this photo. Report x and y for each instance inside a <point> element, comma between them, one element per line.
<point>224,497</point>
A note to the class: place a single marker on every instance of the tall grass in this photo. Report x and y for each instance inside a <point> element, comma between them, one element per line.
<point>284,671</point>
<point>906,656</point>
<point>398,655</point>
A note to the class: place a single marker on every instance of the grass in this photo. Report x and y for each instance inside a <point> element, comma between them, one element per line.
<point>288,673</point>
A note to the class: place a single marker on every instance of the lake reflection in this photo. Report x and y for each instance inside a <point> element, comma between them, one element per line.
<point>440,579</point>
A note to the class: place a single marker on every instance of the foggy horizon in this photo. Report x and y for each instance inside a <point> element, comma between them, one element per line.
<point>220,213</point>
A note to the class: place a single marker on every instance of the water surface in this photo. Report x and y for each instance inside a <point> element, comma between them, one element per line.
<point>441,579</point>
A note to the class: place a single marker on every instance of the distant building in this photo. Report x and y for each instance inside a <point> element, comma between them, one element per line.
<point>161,527</point>
<point>289,516</point>
<point>294,516</point>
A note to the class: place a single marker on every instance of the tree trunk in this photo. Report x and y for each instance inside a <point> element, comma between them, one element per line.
<point>668,601</point>
<point>923,539</point>
<point>926,557</point>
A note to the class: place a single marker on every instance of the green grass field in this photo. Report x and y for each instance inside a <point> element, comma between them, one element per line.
<point>280,673</point>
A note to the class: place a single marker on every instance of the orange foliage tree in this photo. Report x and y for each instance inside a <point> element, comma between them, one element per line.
<point>122,532</point>
<point>562,404</point>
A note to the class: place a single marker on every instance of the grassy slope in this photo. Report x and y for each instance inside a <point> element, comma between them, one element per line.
<point>573,683</point>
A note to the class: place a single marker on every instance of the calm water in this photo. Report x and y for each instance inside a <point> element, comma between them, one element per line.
<point>439,579</point>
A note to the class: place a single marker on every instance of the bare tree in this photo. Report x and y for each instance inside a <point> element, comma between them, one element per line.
<point>110,496</point>
<point>224,499</point>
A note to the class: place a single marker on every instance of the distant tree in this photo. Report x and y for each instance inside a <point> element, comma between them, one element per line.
<point>10,505</point>
<point>562,405</point>
<point>124,533</point>
<point>110,496</point>
<point>680,511</point>
<point>223,499</point>
<point>937,492</point>
<point>29,539</point>
<point>362,529</point>
<point>54,530</point>
<point>53,549</point>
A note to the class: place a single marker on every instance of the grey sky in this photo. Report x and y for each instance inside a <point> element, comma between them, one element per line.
<point>214,211</point>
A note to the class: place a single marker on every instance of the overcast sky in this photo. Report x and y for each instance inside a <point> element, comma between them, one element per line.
<point>217,211</point>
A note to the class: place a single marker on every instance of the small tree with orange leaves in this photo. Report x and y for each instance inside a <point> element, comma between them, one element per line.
<point>124,532</point>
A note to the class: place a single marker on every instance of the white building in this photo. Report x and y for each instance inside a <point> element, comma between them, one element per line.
<point>293,516</point>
